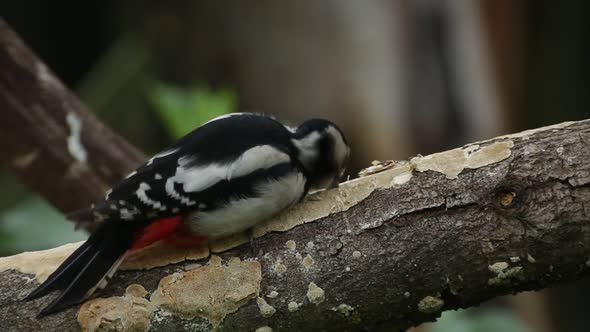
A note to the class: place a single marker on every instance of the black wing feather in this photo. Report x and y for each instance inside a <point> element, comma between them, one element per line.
<point>87,266</point>
<point>65,274</point>
<point>215,142</point>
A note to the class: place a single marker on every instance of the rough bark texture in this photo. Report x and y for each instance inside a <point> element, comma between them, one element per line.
<point>515,218</point>
<point>49,139</point>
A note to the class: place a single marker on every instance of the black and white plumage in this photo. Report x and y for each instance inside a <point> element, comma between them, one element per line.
<point>222,178</point>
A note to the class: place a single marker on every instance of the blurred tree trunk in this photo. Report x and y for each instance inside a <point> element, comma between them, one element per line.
<point>338,59</point>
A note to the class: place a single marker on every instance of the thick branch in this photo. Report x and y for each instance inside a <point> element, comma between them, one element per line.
<point>383,252</point>
<point>49,139</point>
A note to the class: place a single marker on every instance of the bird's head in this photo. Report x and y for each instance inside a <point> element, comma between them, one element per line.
<point>323,151</point>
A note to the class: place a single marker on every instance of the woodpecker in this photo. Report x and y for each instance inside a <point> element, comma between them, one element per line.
<point>222,178</point>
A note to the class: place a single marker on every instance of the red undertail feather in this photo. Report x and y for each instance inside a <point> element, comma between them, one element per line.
<point>157,230</point>
<point>170,230</point>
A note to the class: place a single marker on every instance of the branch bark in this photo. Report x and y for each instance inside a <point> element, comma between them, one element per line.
<point>383,252</point>
<point>49,139</point>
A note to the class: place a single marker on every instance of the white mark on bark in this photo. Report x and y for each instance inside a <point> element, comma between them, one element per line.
<point>75,147</point>
<point>44,76</point>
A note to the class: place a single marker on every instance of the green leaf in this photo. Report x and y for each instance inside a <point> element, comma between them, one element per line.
<point>183,109</point>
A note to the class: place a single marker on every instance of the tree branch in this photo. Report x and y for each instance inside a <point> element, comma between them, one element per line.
<point>383,252</point>
<point>49,139</point>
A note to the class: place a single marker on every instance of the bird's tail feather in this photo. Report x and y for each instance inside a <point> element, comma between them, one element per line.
<point>89,266</point>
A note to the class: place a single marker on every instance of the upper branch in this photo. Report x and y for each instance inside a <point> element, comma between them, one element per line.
<point>49,139</point>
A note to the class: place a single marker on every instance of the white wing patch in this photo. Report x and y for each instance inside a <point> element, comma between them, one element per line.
<point>199,178</point>
<point>195,179</point>
<point>258,157</point>
<point>141,194</point>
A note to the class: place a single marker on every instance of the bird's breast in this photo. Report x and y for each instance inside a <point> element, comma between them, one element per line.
<point>241,213</point>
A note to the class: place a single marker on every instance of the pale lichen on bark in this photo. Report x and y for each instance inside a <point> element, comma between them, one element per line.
<point>128,313</point>
<point>212,291</point>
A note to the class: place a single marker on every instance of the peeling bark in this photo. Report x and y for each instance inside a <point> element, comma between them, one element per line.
<point>383,252</point>
<point>49,139</point>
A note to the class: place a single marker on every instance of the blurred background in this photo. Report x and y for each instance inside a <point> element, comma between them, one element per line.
<point>399,77</point>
